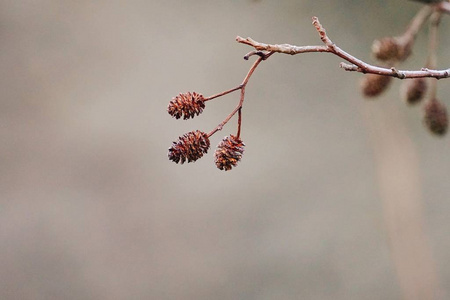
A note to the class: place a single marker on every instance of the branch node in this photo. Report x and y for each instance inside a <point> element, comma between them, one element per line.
<point>397,73</point>
<point>255,52</point>
<point>332,47</point>
<point>348,67</point>
<point>267,55</point>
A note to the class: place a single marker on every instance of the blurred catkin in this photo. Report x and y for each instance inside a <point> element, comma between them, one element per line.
<point>436,118</point>
<point>373,85</point>
<point>413,91</point>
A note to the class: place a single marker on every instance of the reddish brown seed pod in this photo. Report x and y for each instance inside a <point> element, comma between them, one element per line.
<point>189,147</point>
<point>373,85</point>
<point>385,49</point>
<point>413,91</point>
<point>229,152</point>
<point>390,49</point>
<point>186,105</point>
<point>436,117</point>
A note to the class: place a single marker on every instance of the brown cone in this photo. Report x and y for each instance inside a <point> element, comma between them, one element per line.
<point>390,49</point>
<point>373,85</point>
<point>436,118</point>
<point>187,105</point>
<point>413,90</point>
<point>229,152</point>
<point>191,146</point>
<point>386,49</point>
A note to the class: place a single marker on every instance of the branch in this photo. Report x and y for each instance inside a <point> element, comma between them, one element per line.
<point>193,145</point>
<point>262,56</point>
<point>432,48</point>
<point>356,64</point>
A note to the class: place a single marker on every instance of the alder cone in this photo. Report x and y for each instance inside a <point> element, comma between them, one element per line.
<point>373,85</point>
<point>186,105</point>
<point>436,117</point>
<point>390,49</point>
<point>229,153</point>
<point>386,48</point>
<point>189,147</point>
<point>414,90</point>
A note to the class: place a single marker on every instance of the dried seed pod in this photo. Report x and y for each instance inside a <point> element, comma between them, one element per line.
<point>436,117</point>
<point>386,48</point>
<point>229,152</point>
<point>191,146</point>
<point>413,90</point>
<point>187,105</point>
<point>390,48</point>
<point>373,85</point>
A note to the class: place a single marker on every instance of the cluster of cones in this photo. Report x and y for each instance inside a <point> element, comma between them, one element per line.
<point>193,145</point>
<point>392,51</point>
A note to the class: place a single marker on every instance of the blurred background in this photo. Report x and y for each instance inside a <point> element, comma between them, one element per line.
<point>336,197</point>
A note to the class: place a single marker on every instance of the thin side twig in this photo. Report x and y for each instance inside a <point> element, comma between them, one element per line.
<point>417,22</point>
<point>432,48</point>
<point>222,93</point>
<point>262,56</point>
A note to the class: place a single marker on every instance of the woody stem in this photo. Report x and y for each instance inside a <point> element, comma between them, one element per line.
<point>241,101</point>
<point>432,47</point>
<point>221,94</point>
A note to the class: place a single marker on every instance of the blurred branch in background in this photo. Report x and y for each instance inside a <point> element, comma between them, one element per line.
<point>400,190</point>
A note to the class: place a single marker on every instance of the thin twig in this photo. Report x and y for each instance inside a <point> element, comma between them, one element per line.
<point>432,48</point>
<point>433,41</point>
<point>238,135</point>
<point>417,22</point>
<point>241,101</point>
<point>355,63</point>
<point>406,40</point>
<point>222,94</point>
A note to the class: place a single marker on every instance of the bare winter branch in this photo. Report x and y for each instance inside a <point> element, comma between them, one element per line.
<point>391,50</point>
<point>356,64</point>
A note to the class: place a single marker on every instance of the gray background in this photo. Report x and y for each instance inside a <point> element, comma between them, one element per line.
<point>91,208</point>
